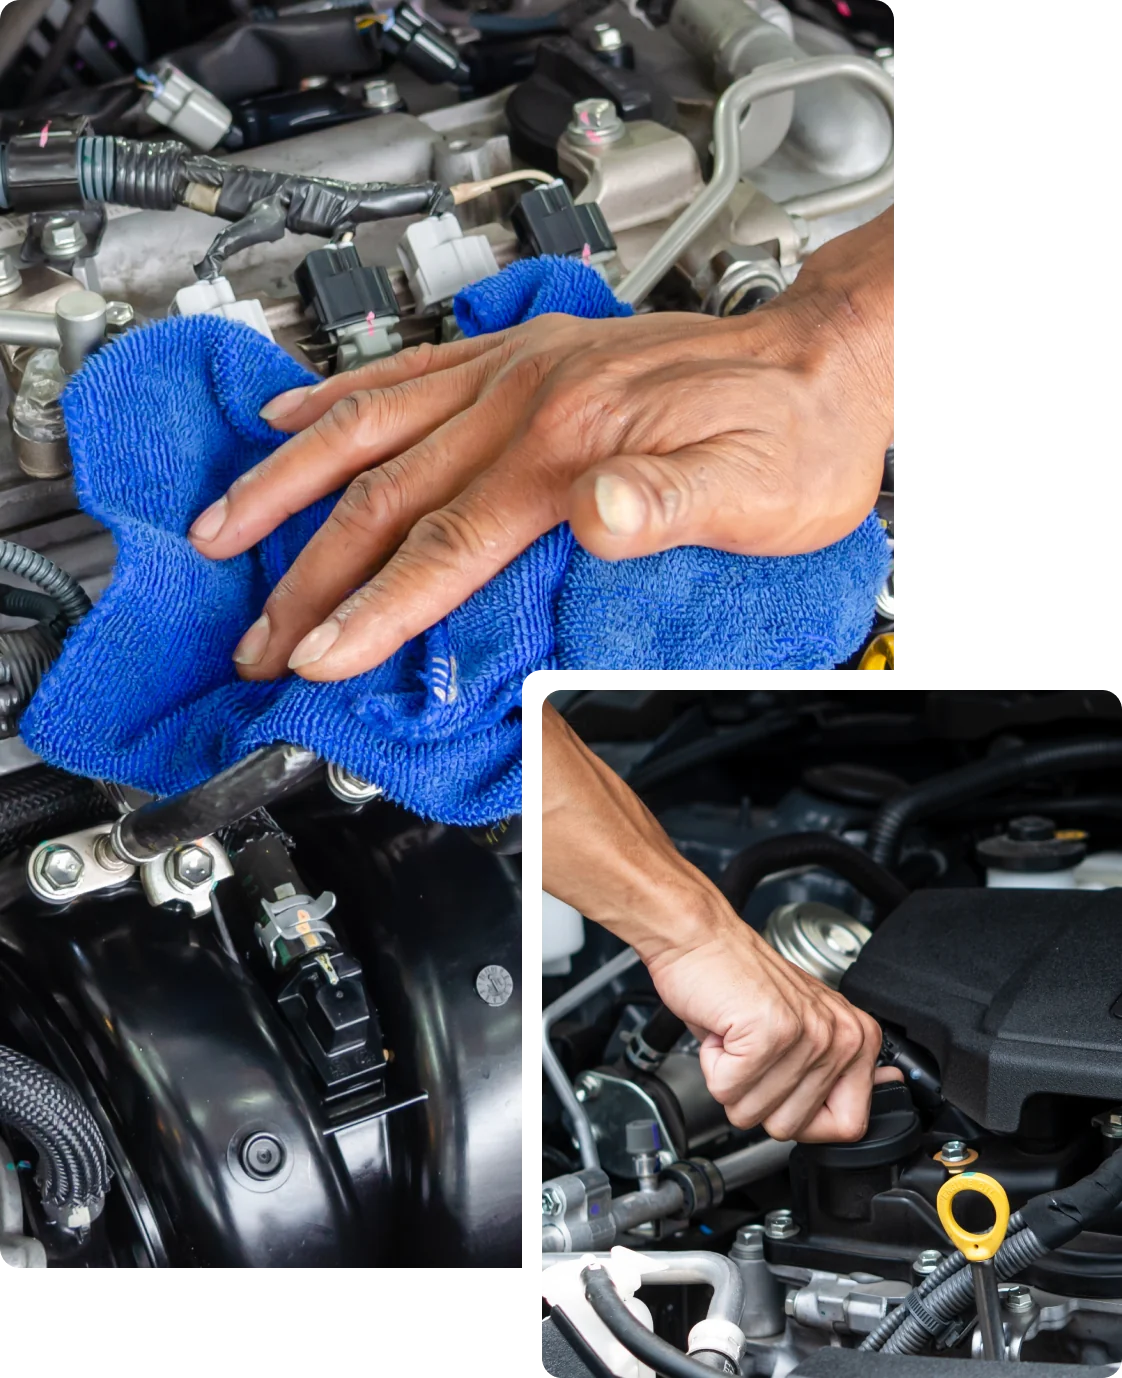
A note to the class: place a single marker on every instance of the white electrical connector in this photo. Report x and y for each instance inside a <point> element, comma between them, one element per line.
<point>439,260</point>
<point>186,108</point>
<point>216,298</point>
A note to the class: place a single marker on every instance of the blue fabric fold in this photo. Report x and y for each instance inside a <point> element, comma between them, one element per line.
<point>163,420</point>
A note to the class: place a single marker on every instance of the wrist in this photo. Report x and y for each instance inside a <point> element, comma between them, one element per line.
<point>673,917</point>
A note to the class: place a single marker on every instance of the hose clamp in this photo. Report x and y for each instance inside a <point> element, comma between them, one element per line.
<point>715,1336</point>
<point>922,1314</point>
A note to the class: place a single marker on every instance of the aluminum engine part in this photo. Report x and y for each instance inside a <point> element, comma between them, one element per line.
<point>17,1250</point>
<point>822,940</point>
<point>843,1305</point>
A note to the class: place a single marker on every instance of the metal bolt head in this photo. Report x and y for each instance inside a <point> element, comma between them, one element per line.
<point>344,784</point>
<point>1109,1124</point>
<point>551,1201</point>
<point>1017,1298</point>
<point>11,279</point>
<point>750,1241</point>
<point>926,1262</point>
<point>62,238</point>
<point>590,1084</point>
<point>262,1156</point>
<point>780,1225</point>
<point>191,865</point>
<point>62,868</point>
<point>119,315</point>
<point>605,38</point>
<point>380,95</point>
<point>595,121</point>
<point>954,1151</point>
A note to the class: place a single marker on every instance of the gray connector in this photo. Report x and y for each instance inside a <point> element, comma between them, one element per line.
<point>215,297</point>
<point>439,260</point>
<point>187,109</point>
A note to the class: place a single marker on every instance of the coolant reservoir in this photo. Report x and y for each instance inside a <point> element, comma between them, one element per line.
<point>1032,855</point>
<point>562,935</point>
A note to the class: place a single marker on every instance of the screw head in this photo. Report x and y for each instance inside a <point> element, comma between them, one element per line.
<point>954,1151</point>
<point>780,1225</point>
<point>62,868</point>
<point>927,1262</point>
<point>595,121</point>
<point>119,315</point>
<point>551,1201</point>
<point>262,1156</point>
<point>1017,1298</point>
<point>191,865</point>
<point>62,238</point>
<point>605,38</point>
<point>750,1240</point>
<point>380,95</point>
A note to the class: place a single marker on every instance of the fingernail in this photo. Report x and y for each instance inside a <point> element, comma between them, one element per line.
<point>251,647</point>
<point>621,508</point>
<point>316,644</point>
<point>282,404</point>
<point>208,524</point>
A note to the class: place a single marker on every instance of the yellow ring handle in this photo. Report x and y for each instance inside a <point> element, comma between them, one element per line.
<point>975,1247</point>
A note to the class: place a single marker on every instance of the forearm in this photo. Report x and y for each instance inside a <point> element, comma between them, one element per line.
<point>605,854</point>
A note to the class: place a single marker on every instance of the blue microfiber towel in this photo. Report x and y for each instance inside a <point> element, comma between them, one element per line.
<point>145,693</point>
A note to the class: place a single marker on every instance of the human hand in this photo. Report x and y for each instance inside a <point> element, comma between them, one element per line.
<point>761,435</point>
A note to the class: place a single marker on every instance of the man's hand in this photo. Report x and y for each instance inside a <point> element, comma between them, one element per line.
<point>779,1049</point>
<point>760,435</point>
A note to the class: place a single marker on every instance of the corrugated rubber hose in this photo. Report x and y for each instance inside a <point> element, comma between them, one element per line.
<point>73,1168</point>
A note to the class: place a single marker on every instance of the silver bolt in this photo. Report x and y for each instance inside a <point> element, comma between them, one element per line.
<point>590,1084</point>
<point>780,1225</point>
<point>750,1241</point>
<point>595,122</point>
<point>11,279</point>
<point>350,788</point>
<point>62,868</point>
<point>1109,1124</point>
<point>605,38</point>
<point>190,865</point>
<point>107,856</point>
<point>380,95</point>
<point>1018,1298</point>
<point>119,315</point>
<point>62,238</point>
<point>927,1262</point>
<point>551,1201</point>
<point>954,1151</point>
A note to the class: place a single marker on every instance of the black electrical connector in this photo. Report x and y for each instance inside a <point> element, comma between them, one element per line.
<point>424,46</point>
<point>335,284</point>
<point>547,221</point>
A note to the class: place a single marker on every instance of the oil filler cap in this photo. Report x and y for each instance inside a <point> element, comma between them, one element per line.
<point>894,1132</point>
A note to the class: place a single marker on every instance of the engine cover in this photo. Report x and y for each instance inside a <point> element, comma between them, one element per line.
<point>1016,993</point>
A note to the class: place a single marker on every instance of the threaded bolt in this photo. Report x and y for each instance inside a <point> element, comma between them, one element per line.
<point>926,1262</point>
<point>62,868</point>
<point>1018,1298</point>
<point>780,1225</point>
<point>595,121</point>
<point>62,238</point>
<point>191,865</point>
<point>954,1151</point>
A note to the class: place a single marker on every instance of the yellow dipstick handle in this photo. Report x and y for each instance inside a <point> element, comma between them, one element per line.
<point>976,1247</point>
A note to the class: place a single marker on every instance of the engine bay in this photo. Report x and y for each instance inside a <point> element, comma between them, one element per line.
<point>950,862</point>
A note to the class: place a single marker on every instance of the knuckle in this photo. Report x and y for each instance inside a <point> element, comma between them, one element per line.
<point>371,500</point>
<point>740,1117</point>
<point>781,1125</point>
<point>787,1029</point>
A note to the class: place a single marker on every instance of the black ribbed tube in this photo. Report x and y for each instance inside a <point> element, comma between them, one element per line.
<point>67,592</point>
<point>602,1296</point>
<point>979,778</point>
<point>73,1167</point>
<point>43,802</point>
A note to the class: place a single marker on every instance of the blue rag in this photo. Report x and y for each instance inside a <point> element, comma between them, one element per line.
<point>163,420</point>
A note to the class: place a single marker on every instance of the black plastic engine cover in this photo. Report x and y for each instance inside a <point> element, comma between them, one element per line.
<point>1016,993</point>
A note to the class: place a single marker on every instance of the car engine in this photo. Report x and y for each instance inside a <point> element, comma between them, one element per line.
<point>951,862</point>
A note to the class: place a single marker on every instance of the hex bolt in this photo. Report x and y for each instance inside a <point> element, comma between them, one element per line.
<point>605,38</point>
<point>351,788</point>
<point>262,1156</point>
<point>590,1084</point>
<point>62,239</point>
<point>595,121</point>
<point>11,279</point>
<point>381,95</point>
<point>954,1151</point>
<point>62,868</point>
<point>119,315</point>
<point>926,1262</point>
<point>780,1225</point>
<point>1109,1124</point>
<point>190,865</point>
<point>1018,1298</point>
<point>551,1201</point>
<point>749,1242</point>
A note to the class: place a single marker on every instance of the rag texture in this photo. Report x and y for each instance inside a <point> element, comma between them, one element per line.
<point>145,692</point>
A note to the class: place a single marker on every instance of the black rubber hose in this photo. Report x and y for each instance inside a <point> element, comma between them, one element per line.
<point>748,868</point>
<point>67,592</point>
<point>654,772</point>
<point>982,777</point>
<point>73,1167</point>
<point>39,607</point>
<point>786,850</point>
<point>44,802</point>
<point>648,1348</point>
<point>266,775</point>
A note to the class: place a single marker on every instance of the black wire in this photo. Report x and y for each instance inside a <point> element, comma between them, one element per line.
<point>662,768</point>
<point>602,1296</point>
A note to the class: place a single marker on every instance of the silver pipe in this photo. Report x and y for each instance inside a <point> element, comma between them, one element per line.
<point>714,1270</point>
<point>753,1163</point>
<point>726,163</point>
<point>80,319</point>
<point>28,328</point>
<point>551,1065</point>
<point>641,1207</point>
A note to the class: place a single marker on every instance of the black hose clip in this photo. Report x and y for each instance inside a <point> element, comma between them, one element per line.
<point>41,165</point>
<point>701,1183</point>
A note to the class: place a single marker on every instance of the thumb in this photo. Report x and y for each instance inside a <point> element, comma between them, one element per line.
<point>642,504</point>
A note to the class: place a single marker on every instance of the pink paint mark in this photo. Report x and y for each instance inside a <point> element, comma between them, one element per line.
<point>43,135</point>
<point>586,255</point>
<point>370,318</point>
<point>843,9</point>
